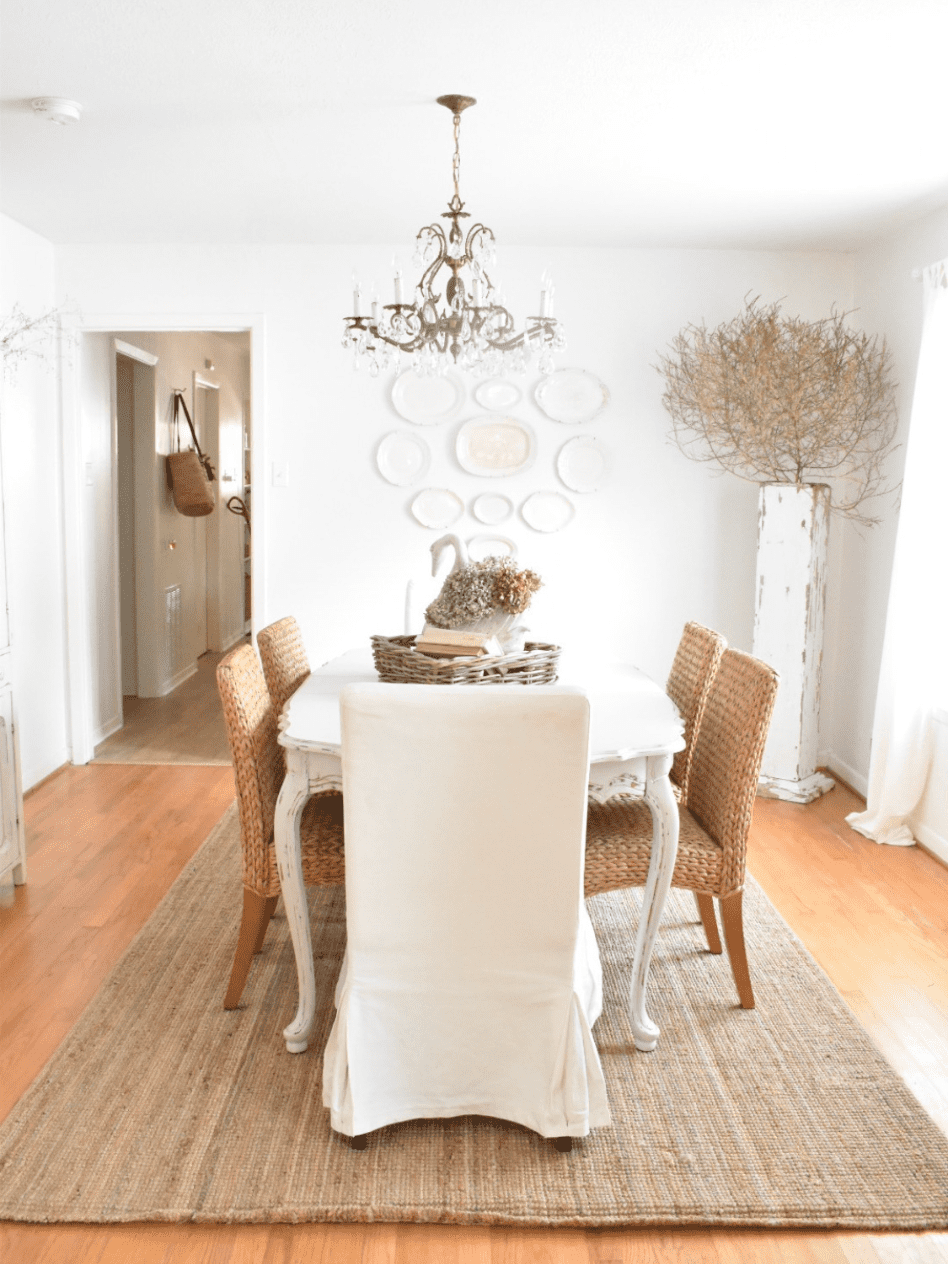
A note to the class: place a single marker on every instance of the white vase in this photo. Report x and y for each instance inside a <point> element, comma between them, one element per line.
<point>792,539</point>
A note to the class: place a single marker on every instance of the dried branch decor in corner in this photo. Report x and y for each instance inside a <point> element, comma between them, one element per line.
<point>779,399</point>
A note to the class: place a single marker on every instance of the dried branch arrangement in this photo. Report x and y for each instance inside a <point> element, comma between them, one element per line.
<point>779,399</point>
<point>24,337</point>
<point>481,589</point>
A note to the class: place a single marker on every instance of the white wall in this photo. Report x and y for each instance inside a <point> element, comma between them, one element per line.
<point>667,540</point>
<point>33,509</point>
<point>888,301</point>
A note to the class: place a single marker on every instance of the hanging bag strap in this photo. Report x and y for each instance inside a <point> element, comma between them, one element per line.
<point>202,456</point>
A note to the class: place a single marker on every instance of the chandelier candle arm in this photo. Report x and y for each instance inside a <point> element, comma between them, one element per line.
<point>468,326</point>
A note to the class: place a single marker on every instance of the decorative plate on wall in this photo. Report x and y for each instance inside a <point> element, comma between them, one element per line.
<point>582,464</point>
<point>427,401</point>
<point>486,545</point>
<point>403,458</point>
<point>498,394</point>
<point>492,508</point>
<point>436,508</point>
<point>547,511</point>
<point>571,396</point>
<point>494,446</point>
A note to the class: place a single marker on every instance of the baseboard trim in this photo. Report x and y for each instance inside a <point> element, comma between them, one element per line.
<point>184,674</point>
<point>931,842</point>
<point>107,729</point>
<point>846,773</point>
<point>34,778</point>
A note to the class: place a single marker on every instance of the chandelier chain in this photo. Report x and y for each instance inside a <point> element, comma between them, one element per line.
<point>457,156</point>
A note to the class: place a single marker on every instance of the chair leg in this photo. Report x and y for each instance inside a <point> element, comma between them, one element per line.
<point>265,922</point>
<point>732,919</point>
<point>709,921</point>
<point>360,1142</point>
<point>253,927</point>
<point>563,1144</point>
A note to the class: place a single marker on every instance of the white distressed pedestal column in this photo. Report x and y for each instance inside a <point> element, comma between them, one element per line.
<point>792,537</point>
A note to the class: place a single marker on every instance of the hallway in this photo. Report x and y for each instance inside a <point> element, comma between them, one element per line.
<point>184,727</point>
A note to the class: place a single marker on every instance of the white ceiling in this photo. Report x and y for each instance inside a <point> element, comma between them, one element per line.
<point>771,123</point>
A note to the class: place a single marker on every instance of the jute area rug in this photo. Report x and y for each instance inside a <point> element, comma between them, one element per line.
<point>161,1106</point>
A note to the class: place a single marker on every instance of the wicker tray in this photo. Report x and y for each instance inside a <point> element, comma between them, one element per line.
<point>397,662</point>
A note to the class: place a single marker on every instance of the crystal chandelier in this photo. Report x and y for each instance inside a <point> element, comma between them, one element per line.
<point>471,328</point>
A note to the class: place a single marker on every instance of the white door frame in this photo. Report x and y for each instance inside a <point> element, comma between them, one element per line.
<point>77,577</point>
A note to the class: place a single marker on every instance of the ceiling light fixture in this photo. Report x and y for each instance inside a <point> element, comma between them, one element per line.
<point>58,109</point>
<point>471,329</point>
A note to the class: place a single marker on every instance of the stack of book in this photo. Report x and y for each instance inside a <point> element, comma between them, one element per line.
<point>446,643</point>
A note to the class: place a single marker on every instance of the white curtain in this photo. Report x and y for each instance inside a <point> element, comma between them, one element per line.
<point>914,679</point>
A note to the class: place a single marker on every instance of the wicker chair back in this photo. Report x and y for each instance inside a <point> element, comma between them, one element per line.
<point>696,660</point>
<point>728,751</point>
<point>250,720</point>
<point>283,655</point>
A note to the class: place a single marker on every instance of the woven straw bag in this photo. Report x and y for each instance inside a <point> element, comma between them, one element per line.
<point>190,474</point>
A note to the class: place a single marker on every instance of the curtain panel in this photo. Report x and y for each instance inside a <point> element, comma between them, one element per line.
<point>913,679</point>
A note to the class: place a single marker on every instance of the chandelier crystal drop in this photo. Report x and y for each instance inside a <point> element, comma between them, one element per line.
<point>469,326</point>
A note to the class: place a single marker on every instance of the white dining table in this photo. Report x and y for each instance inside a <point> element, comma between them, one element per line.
<point>635,732</point>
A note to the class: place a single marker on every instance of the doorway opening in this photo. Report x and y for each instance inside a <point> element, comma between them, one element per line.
<point>180,585</point>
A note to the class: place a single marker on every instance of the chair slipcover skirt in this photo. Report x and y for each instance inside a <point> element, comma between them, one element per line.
<point>472,978</point>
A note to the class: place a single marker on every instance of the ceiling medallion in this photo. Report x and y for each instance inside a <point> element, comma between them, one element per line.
<point>471,328</point>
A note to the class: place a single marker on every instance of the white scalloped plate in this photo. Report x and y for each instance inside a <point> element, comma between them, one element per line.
<point>498,394</point>
<point>427,401</point>
<point>547,511</point>
<point>491,508</point>
<point>571,396</point>
<point>436,508</point>
<point>402,458</point>
<point>582,463</point>
<point>479,546</point>
<point>494,446</point>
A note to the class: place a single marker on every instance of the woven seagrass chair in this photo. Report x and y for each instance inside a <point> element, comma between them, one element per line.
<point>283,655</point>
<point>712,846</point>
<point>251,722</point>
<point>696,660</point>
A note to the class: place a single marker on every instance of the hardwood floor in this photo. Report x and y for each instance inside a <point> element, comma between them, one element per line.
<point>184,727</point>
<point>107,841</point>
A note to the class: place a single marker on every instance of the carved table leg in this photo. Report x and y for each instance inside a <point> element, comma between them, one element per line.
<point>664,809</point>
<point>289,809</point>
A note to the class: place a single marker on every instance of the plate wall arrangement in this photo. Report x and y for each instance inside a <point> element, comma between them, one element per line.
<point>547,511</point>
<point>572,396</point>
<point>492,508</point>
<point>494,446</point>
<point>498,394</point>
<point>428,401</point>
<point>436,508</point>
<point>488,545</point>
<point>402,458</point>
<point>582,464</point>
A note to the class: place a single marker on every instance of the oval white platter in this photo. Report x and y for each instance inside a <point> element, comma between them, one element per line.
<point>497,394</point>
<point>571,396</point>
<point>492,508</point>
<point>427,401</point>
<point>547,511</point>
<point>485,545</point>
<point>582,464</point>
<point>402,458</point>
<point>436,508</point>
<point>494,446</point>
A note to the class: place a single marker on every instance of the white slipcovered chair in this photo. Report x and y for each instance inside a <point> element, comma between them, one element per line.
<point>472,978</point>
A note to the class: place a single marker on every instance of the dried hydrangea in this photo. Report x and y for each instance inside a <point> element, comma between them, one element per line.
<point>481,589</point>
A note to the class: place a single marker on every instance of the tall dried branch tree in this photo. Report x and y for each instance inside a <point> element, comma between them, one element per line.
<point>779,399</point>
